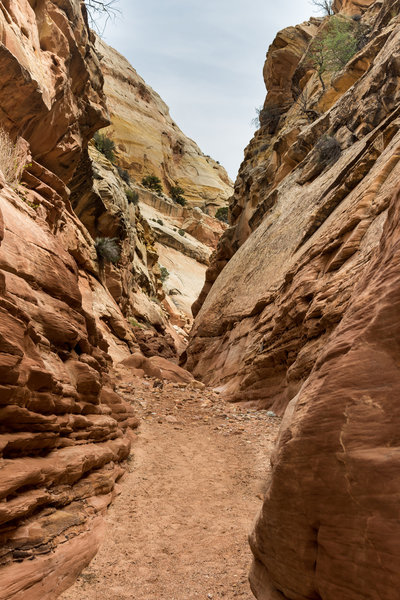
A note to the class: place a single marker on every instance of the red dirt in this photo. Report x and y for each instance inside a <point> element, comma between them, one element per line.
<point>178,530</point>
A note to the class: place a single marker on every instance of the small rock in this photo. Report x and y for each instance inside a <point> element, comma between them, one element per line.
<point>197,385</point>
<point>171,419</point>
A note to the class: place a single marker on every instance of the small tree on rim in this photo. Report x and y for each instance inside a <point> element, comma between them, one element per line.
<point>331,49</point>
<point>325,5</point>
<point>99,9</point>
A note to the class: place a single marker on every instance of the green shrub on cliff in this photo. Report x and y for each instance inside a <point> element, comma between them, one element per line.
<point>164,274</point>
<point>123,173</point>
<point>152,182</point>
<point>176,193</point>
<point>222,214</point>
<point>341,42</point>
<point>331,50</point>
<point>132,197</point>
<point>105,145</point>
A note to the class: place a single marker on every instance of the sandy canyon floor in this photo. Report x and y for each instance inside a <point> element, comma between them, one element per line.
<point>178,530</point>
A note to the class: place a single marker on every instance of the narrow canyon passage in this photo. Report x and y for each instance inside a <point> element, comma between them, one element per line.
<point>178,530</point>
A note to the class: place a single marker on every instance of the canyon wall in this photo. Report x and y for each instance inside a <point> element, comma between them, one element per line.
<point>329,527</point>
<point>63,429</point>
<point>70,314</point>
<point>303,226</point>
<point>299,310</point>
<point>149,141</point>
<point>155,232</point>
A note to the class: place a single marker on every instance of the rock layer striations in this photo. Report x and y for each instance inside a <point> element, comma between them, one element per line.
<point>329,527</point>
<point>149,142</point>
<point>303,226</point>
<point>299,311</point>
<point>63,430</point>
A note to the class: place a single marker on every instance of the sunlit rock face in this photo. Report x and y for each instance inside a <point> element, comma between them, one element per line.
<point>150,142</point>
<point>299,314</point>
<point>302,230</point>
<point>63,430</point>
<point>156,232</point>
<point>99,199</point>
<point>351,7</point>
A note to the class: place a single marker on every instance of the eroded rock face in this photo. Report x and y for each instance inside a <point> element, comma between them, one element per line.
<point>330,526</point>
<point>61,439</point>
<point>141,120</point>
<point>48,67</point>
<point>185,238</point>
<point>99,199</point>
<point>351,7</point>
<point>63,430</point>
<point>303,230</point>
<point>300,314</point>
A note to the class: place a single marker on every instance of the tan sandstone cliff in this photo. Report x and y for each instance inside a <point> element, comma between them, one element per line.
<point>148,140</point>
<point>299,307</point>
<point>302,229</point>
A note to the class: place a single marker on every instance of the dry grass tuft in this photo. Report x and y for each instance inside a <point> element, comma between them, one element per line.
<point>12,157</point>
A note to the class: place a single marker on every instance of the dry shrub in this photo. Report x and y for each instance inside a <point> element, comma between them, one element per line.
<point>107,249</point>
<point>328,150</point>
<point>12,157</point>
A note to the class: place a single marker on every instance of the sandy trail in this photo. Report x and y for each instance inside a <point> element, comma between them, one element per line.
<point>178,531</point>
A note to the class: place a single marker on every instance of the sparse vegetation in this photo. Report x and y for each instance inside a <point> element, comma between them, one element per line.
<point>107,250</point>
<point>317,58</point>
<point>152,182</point>
<point>123,173</point>
<point>267,116</point>
<point>256,120</point>
<point>222,214</point>
<point>105,145</point>
<point>303,100</point>
<point>164,274</point>
<point>160,221</point>
<point>12,158</point>
<point>326,6</point>
<point>176,193</point>
<point>135,323</point>
<point>335,46</point>
<point>132,197</point>
<point>34,205</point>
<point>181,232</point>
<point>341,42</point>
<point>328,150</point>
<point>101,10</point>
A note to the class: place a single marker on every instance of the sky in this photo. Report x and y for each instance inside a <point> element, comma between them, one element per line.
<point>205,59</point>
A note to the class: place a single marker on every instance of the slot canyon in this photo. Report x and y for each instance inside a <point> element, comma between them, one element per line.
<point>199,376</point>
